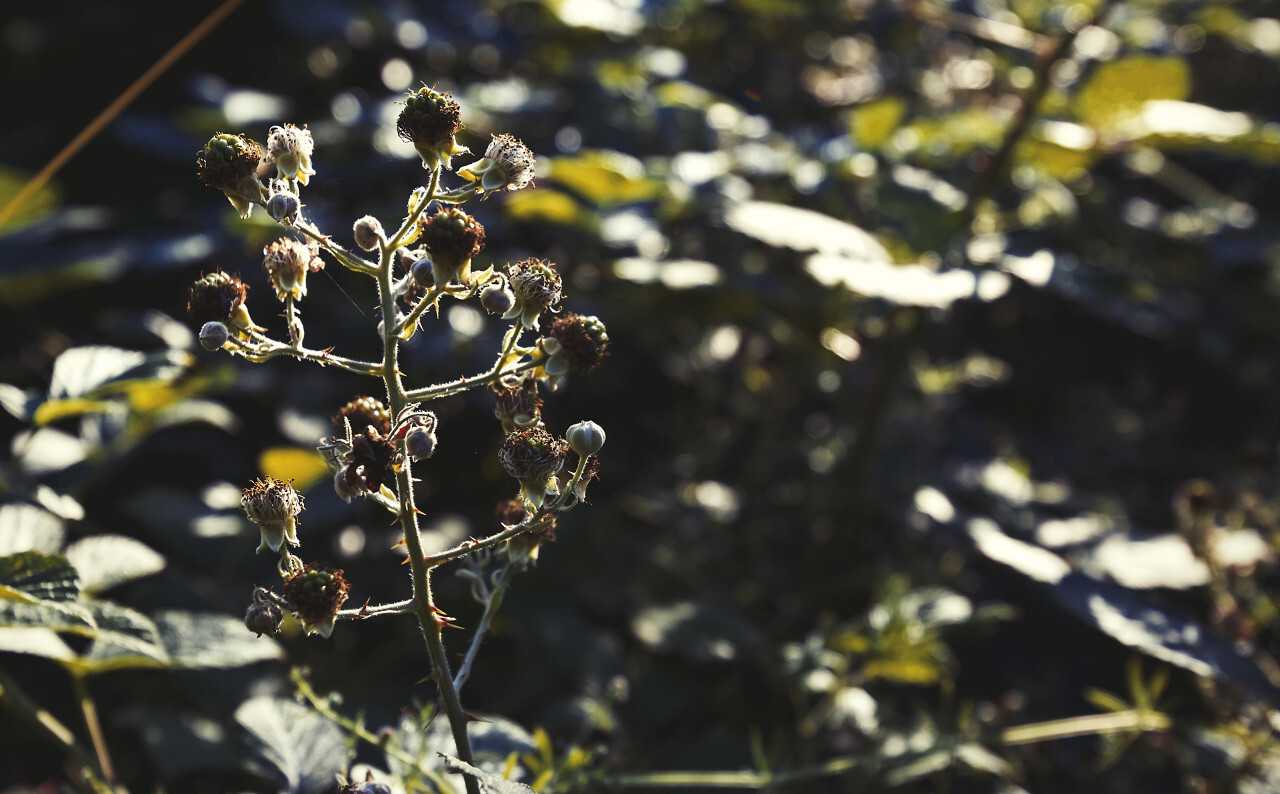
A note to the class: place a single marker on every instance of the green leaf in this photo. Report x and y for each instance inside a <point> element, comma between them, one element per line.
<point>295,745</point>
<point>28,528</point>
<point>105,561</point>
<point>31,576</point>
<point>96,371</point>
<point>605,178</point>
<point>124,639</point>
<point>37,642</point>
<point>65,616</point>
<point>1119,89</point>
<point>208,640</point>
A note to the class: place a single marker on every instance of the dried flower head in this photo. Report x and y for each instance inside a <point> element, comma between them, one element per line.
<point>290,148</point>
<point>536,286</point>
<point>220,297</point>
<point>507,165</point>
<point>516,403</point>
<point>452,238</point>
<point>315,594</point>
<point>230,164</point>
<point>429,121</point>
<point>274,506</point>
<point>287,263</point>
<point>533,456</point>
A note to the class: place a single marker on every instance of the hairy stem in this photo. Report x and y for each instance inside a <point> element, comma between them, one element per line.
<point>428,614</point>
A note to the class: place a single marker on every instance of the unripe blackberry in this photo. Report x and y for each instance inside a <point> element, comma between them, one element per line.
<point>429,121</point>
<point>315,594</point>
<point>452,238</point>
<point>363,412</point>
<point>230,163</point>
<point>219,297</point>
<point>580,344</point>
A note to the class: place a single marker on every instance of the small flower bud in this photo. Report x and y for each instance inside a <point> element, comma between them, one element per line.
<point>274,506</point>
<point>420,443</point>
<point>429,121</point>
<point>315,594</point>
<point>423,273</point>
<point>287,263</point>
<point>290,148</point>
<point>346,491</point>
<point>230,164</point>
<point>532,456</point>
<point>452,238</point>
<point>585,438</point>
<point>213,335</point>
<point>507,165</point>
<point>497,298</point>
<point>263,616</point>
<point>536,286</point>
<point>368,233</point>
<point>283,207</point>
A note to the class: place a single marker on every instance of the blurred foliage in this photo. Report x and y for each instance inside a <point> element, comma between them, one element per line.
<point>918,433</point>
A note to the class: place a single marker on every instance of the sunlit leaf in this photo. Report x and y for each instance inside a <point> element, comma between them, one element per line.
<point>32,576</point>
<point>26,527</point>
<point>64,616</point>
<point>36,642</point>
<point>906,285</point>
<point>124,638</point>
<point>210,640</point>
<point>545,204</point>
<point>1119,89</point>
<point>942,140</point>
<point>803,230</point>
<point>872,123</point>
<point>104,561</point>
<point>297,747</point>
<point>304,467</point>
<point>99,370</point>
<point>701,632</point>
<point>605,178</point>
<point>20,404</point>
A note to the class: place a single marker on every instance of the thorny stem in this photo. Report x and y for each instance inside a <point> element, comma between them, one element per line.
<point>378,610</point>
<point>491,605</point>
<point>462,384</point>
<point>471,546</point>
<point>344,257</point>
<point>293,321</point>
<point>428,614</point>
<point>427,301</point>
<point>273,348</point>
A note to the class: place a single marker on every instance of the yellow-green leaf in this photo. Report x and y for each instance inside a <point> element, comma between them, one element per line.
<point>304,467</point>
<point>1119,89</point>
<point>874,122</point>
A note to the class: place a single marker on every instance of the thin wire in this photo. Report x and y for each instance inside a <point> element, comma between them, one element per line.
<point>118,104</point>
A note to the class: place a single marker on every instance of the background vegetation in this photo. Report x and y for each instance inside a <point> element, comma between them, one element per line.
<point>940,400</point>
